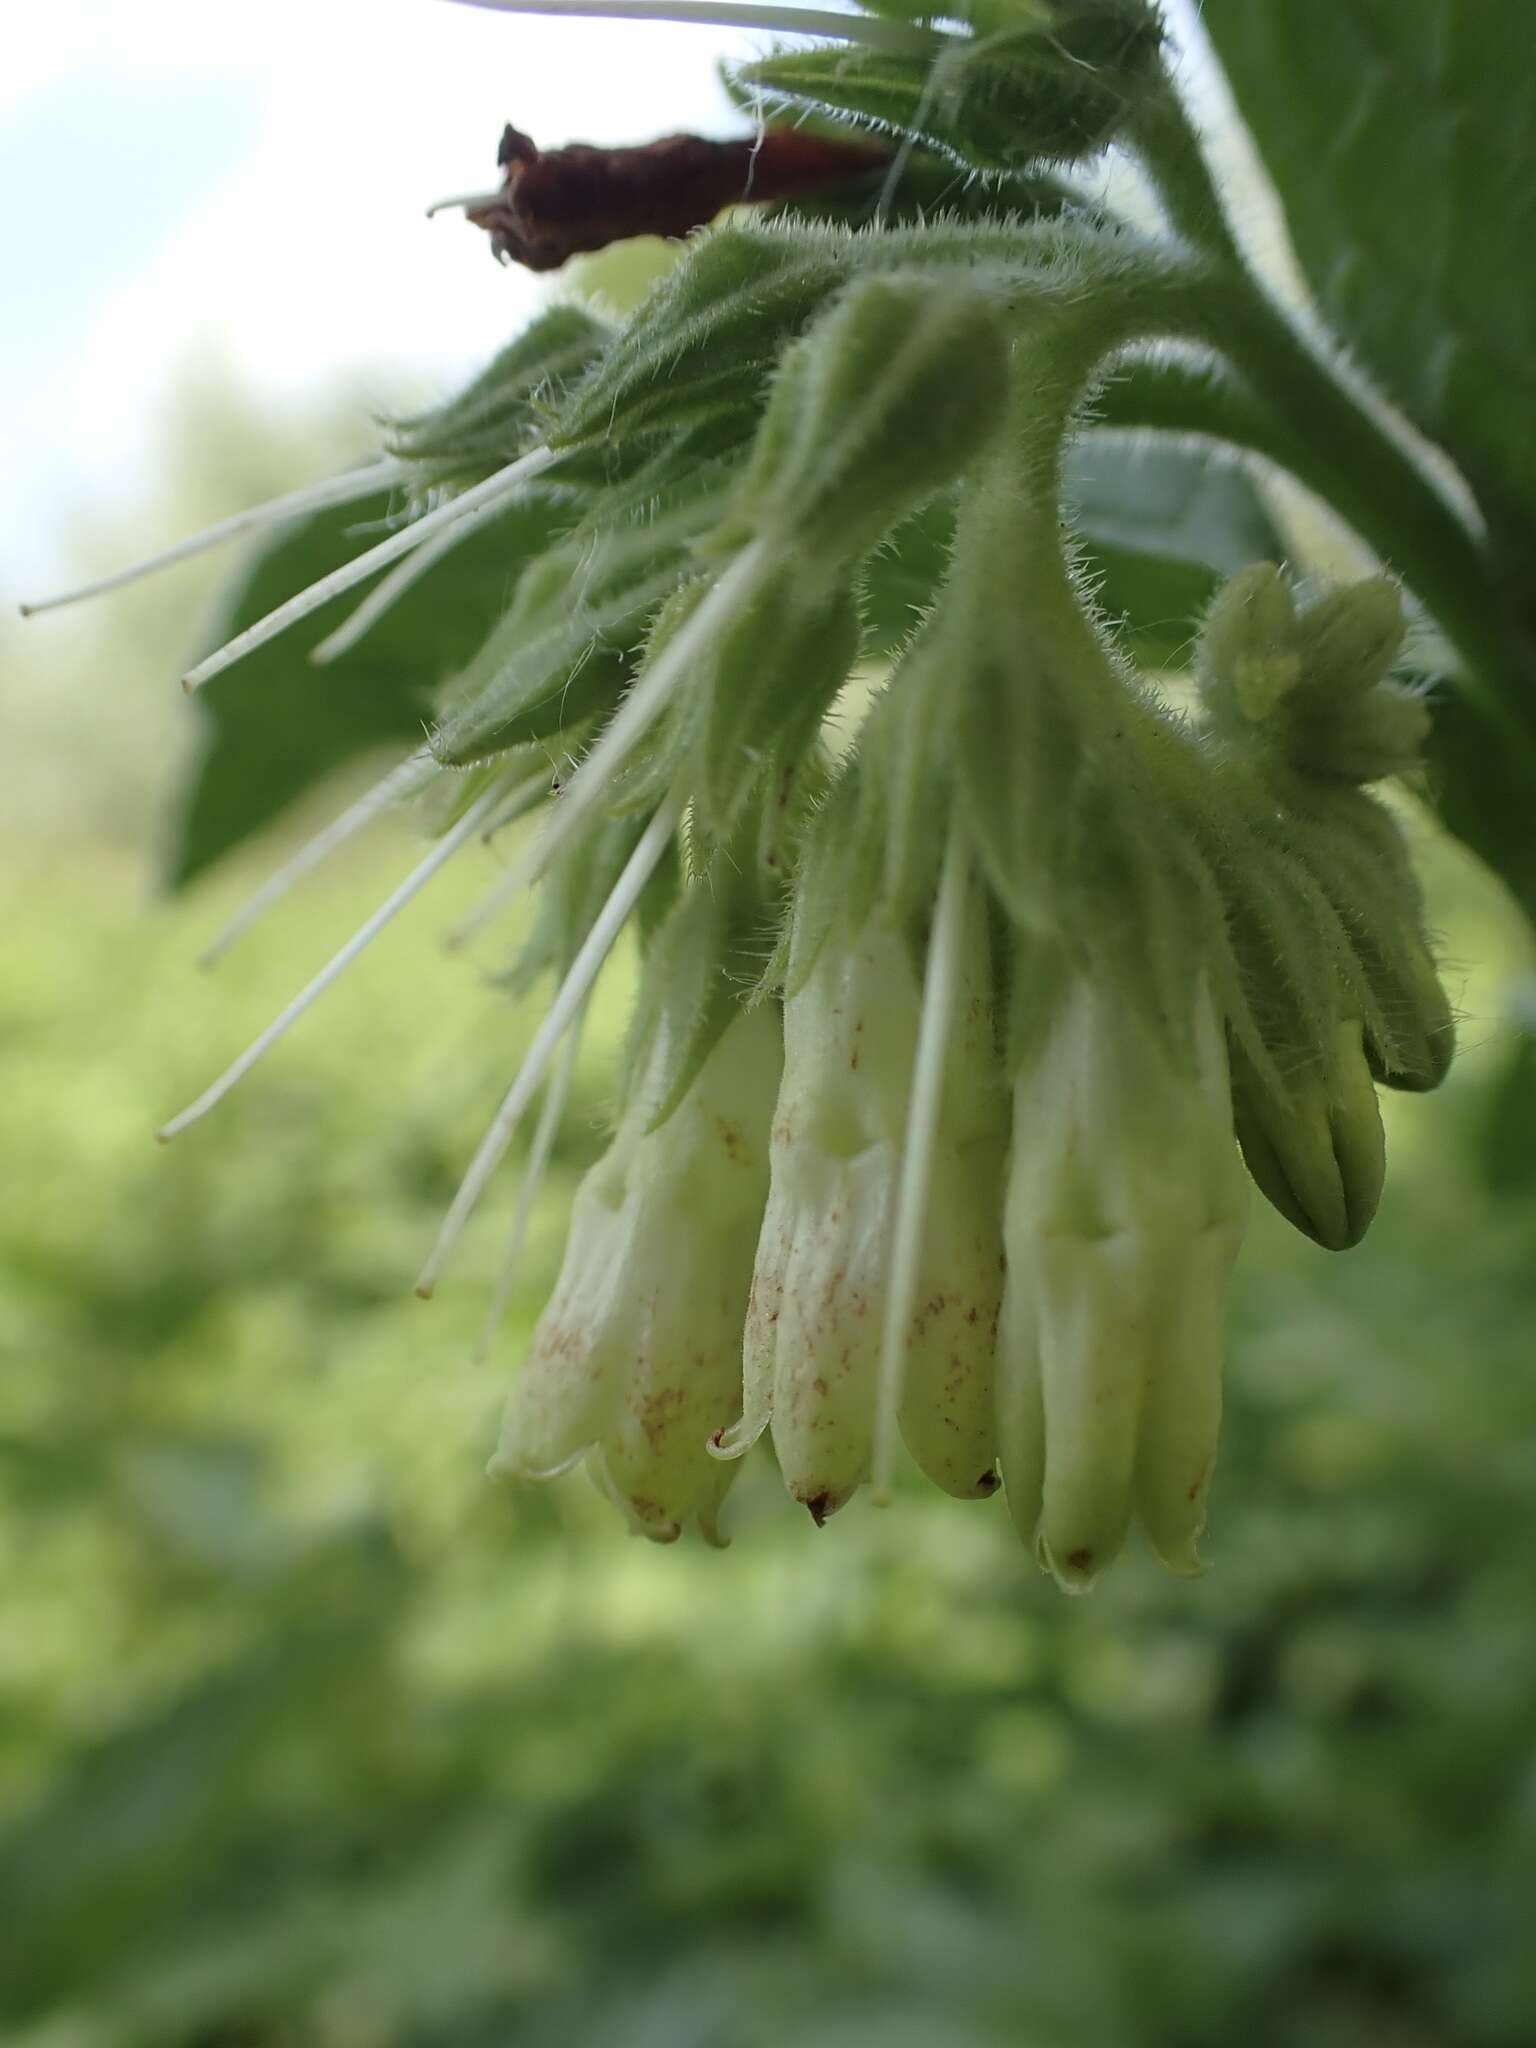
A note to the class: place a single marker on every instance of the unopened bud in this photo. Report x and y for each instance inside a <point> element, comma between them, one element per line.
<point>1316,1151</point>
<point>1247,658</point>
<point>881,405</point>
<point>1349,638</point>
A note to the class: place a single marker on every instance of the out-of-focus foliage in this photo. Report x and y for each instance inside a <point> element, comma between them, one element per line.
<point>311,1737</point>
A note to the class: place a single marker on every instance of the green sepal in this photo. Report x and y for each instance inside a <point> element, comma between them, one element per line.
<point>879,407</point>
<point>494,419</point>
<point>1314,1147</point>
<point>905,774</point>
<point>767,682</point>
<point>1140,904</point>
<point>567,646</point>
<point>574,888</point>
<point>700,965</point>
<point>900,579</point>
<point>996,101</point>
<point>1283,956</point>
<point>708,335</point>
<point>1247,658</point>
<point>838,875</point>
<point>1356,851</point>
<point>1018,752</point>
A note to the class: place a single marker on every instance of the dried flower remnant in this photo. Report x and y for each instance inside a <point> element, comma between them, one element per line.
<point>558,203</point>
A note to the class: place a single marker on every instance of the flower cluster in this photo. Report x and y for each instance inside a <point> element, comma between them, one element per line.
<point>972,974</point>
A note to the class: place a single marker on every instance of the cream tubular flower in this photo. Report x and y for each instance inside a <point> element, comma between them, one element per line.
<point>636,1359</point>
<point>1125,1211</point>
<point>814,1324</point>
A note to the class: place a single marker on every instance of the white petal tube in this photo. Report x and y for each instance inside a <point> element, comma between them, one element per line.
<point>1125,1211</point>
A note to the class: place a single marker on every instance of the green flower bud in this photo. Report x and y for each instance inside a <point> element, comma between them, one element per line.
<point>1316,1150</point>
<point>1415,1051</point>
<point>814,1324</point>
<point>881,405</point>
<point>1348,639</point>
<point>1247,659</point>
<point>636,1359</point>
<point>1125,1212</point>
<point>1312,689</point>
<point>1355,849</point>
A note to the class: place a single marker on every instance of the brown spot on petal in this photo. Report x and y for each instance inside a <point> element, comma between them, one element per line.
<point>988,1483</point>
<point>1080,1560</point>
<point>819,1506</point>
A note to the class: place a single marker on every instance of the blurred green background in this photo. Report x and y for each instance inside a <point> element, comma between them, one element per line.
<point>309,1738</point>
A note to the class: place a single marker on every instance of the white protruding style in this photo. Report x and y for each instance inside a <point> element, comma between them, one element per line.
<point>413,884</point>
<point>569,999</point>
<point>940,983</point>
<point>475,202</point>
<point>462,512</point>
<point>382,600</point>
<point>551,1110</point>
<point>382,475</point>
<point>401,780</point>
<point>623,732</point>
<point>872,30</point>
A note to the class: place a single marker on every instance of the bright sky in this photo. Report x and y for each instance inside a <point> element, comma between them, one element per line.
<point>181,179</point>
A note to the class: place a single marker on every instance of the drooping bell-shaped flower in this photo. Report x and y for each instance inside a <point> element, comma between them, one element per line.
<point>820,1286</point>
<point>1125,1211</point>
<point>636,1361</point>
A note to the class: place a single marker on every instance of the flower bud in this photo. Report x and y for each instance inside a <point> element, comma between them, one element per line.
<point>1316,1150</point>
<point>1124,1215</point>
<point>636,1360</point>
<point>1312,688</point>
<point>815,1320</point>
<point>1349,638</point>
<point>1247,659</point>
<point>880,406</point>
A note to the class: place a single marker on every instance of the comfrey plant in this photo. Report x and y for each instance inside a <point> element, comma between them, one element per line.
<point>978,982</point>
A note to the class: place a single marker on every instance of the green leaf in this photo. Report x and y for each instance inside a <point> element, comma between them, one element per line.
<point>274,725</point>
<point>1402,137</point>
